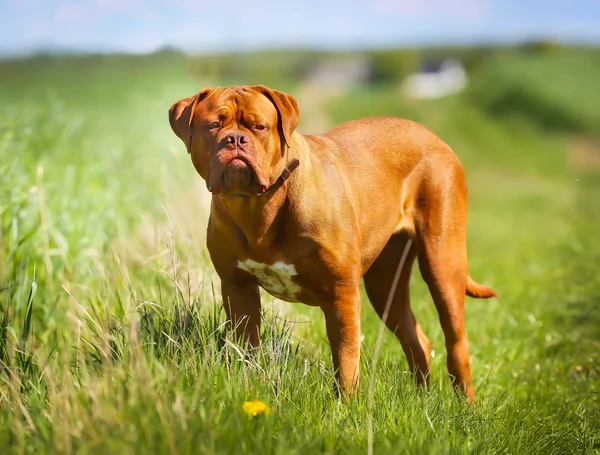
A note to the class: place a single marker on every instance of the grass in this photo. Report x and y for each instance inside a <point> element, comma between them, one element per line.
<point>112,337</point>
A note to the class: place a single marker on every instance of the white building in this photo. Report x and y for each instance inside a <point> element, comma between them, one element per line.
<point>435,80</point>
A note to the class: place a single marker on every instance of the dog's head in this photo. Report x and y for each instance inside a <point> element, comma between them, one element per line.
<point>236,136</point>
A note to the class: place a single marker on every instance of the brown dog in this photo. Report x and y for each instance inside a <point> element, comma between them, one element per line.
<point>359,193</point>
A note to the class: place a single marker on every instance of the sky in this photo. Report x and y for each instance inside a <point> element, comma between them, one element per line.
<point>206,26</point>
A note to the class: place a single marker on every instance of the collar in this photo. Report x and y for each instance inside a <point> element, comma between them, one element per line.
<point>285,174</point>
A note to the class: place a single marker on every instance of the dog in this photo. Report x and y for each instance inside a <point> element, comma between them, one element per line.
<point>307,217</point>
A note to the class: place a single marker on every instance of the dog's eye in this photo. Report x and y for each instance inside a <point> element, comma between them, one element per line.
<point>214,125</point>
<point>259,127</point>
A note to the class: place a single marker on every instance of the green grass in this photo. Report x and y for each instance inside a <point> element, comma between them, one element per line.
<point>112,336</point>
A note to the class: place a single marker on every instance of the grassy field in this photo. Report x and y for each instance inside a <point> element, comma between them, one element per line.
<point>112,337</point>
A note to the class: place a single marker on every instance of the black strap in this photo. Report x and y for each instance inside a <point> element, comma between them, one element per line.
<point>285,174</point>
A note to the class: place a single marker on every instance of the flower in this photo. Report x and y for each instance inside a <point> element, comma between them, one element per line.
<point>255,408</point>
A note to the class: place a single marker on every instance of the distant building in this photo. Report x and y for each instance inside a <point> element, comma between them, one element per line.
<point>436,79</point>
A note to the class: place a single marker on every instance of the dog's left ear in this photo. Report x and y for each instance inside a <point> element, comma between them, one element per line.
<point>181,115</point>
<point>287,108</point>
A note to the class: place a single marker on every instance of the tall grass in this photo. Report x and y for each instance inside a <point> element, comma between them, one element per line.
<point>112,336</point>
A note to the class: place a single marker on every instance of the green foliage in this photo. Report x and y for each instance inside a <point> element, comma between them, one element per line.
<point>280,68</point>
<point>389,66</point>
<point>555,90</point>
<point>547,47</point>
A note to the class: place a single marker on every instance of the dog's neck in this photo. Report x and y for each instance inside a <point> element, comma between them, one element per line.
<point>260,218</point>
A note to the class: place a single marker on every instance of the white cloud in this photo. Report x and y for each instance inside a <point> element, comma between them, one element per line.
<point>139,8</point>
<point>76,13</point>
<point>141,42</point>
<point>89,11</point>
<point>464,9</point>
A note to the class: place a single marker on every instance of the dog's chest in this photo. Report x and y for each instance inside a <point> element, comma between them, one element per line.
<point>275,278</point>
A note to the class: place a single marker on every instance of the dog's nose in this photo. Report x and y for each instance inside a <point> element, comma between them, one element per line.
<point>238,139</point>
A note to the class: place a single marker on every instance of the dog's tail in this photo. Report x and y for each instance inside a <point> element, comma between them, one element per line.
<point>479,291</point>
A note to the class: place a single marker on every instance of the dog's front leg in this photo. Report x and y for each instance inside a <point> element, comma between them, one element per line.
<point>342,319</point>
<point>242,305</point>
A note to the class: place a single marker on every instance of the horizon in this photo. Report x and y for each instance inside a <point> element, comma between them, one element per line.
<point>49,51</point>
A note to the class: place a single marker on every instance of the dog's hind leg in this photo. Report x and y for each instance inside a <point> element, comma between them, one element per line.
<point>442,253</point>
<point>400,318</point>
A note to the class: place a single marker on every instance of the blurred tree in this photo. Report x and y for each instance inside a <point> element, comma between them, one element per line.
<point>542,47</point>
<point>391,65</point>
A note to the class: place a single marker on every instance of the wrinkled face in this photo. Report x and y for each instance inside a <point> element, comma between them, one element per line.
<point>236,137</point>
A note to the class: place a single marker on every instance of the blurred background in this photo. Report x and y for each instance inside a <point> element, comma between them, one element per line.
<point>102,215</point>
<point>85,85</point>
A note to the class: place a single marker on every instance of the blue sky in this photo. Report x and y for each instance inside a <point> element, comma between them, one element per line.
<point>207,26</point>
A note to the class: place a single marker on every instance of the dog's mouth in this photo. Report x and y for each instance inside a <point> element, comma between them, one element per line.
<point>239,176</point>
<point>239,163</point>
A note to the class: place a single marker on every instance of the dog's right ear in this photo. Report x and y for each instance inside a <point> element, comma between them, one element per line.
<point>181,116</point>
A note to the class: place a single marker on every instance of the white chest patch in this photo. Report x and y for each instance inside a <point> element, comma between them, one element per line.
<point>276,279</point>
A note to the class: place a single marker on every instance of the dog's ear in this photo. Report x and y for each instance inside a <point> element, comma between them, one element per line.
<point>181,115</point>
<point>287,108</point>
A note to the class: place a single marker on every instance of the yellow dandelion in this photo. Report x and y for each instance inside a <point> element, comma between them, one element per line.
<point>255,408</point>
